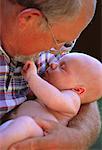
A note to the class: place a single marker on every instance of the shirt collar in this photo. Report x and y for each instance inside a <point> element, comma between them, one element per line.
<point>7,57</point>
<point>10,60</point>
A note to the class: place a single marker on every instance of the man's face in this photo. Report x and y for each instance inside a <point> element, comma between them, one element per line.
<point>31,41</point>
<point>43,40</point>
<point>28,43</point>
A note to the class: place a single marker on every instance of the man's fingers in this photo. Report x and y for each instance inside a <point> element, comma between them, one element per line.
<point>30,144</point>
<point>44,142</point>
<point>23,145</point>
<point>38,143</point>
<point>26,66</point>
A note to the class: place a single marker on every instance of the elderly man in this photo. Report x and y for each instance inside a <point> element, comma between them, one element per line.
<point>26,28</point>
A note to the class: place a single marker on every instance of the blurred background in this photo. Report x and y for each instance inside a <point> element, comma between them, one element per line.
<point>90,42</point>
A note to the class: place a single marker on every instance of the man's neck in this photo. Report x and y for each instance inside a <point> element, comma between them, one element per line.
<point>8,58</point>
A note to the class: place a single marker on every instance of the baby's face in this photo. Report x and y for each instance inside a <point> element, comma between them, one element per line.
<point>75,71</point>
<point>61,74</point>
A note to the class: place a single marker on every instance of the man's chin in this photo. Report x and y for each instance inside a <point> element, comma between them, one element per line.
<point>23,59</point>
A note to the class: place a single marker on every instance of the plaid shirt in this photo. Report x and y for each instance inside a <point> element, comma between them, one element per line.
<point>13,87</point>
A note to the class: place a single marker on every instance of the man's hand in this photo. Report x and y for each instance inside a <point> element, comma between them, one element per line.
<point>47,142</point>
<point>81,133</point>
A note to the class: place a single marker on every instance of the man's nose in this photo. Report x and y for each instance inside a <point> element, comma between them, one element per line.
<point>54,65</point>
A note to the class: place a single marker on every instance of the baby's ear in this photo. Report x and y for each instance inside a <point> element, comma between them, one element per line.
<point>79,90</point>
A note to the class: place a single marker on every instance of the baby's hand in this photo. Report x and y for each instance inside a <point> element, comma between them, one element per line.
<point>29,69</point>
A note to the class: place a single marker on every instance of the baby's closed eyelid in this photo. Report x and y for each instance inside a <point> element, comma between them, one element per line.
<point>63,66</point>
<point>62,63</point>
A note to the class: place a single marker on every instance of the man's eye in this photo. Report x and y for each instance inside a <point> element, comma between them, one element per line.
<point>68,44</point>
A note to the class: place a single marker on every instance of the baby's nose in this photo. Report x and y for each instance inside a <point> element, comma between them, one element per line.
<point>54,65</point>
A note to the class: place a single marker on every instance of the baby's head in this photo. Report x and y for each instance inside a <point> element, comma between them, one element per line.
<point>78,72</point>
<point>88,76</point>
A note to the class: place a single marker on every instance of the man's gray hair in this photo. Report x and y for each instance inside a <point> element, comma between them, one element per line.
<point>53,9</point>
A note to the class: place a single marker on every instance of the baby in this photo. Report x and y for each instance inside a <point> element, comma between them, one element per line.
<point>73,80</point>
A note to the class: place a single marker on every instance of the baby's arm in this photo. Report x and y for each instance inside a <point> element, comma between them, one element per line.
<point>65,101</point>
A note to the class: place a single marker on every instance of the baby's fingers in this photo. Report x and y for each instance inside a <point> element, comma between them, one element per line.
<point>27,66</point>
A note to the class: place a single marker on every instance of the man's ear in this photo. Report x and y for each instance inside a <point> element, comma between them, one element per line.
<point>28,17</point>
<point>79,90</point>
